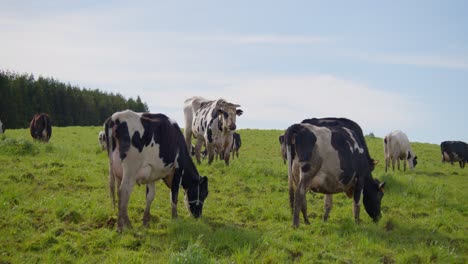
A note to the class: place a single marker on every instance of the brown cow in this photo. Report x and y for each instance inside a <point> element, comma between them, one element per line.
<point>40,127</point>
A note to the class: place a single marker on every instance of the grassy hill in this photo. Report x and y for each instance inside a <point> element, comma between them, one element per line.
<point>55,207</point>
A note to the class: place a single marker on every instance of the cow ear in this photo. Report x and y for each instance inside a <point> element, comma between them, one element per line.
<point>239,112</point>
<point>381,186</point>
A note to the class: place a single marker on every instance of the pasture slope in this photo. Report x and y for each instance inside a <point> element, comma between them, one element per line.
<point>55,208</point>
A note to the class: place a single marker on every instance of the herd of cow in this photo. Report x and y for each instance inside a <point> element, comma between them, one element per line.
<point>326,155</point>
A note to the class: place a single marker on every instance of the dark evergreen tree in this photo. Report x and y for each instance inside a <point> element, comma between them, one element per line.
<point>22,95</point>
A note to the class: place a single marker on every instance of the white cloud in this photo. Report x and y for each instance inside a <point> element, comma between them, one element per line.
<point>434,61</point>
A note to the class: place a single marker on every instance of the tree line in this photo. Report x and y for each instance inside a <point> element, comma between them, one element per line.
<point>22,95</point>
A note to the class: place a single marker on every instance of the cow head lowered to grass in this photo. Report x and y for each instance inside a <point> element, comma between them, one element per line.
<point>144,148</point>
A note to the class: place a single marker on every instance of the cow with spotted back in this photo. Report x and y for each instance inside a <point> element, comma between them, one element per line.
<point>41,127</point>
<point>330,160</point>
<point>335,122</point>
<point>144,148</point>
<point>210,122</point>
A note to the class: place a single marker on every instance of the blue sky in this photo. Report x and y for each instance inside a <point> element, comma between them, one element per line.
<point>386,64</point>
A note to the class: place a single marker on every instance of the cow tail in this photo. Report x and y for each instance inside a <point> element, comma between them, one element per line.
<point>289,140</point>
<point>108,124</point>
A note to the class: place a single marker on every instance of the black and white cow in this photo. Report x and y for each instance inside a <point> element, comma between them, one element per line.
<point>144,148</point>
<point>236,144</point>
<point>102,140</point>
<point>454,151</point>
<point>41,127</point>
<point>335,122</point>
<point>330,160</point>
<point>210,122</point>
<point>397,147</point>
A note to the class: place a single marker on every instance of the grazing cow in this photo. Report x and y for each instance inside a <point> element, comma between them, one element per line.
<point>102,140</point>
<point>397,147</point>
<point>143,148</point>
<point>335,122</point>
<point>40,127</point>
<point>236,144</point>
<point>454,151</point>
<point>330,160</point>
<point>211,122</point>
<point>1,128</point>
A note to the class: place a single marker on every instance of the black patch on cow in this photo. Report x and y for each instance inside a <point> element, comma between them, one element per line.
<point>305,168</point>
<point>239,112</point>
<point>301,140</point>
<point>344,122</point>
<point>305,143</point>
<point>210,135</point>
<point>152,144</point>
<point>349,160</point>
<point>137,141</point>
<point>122,134</point>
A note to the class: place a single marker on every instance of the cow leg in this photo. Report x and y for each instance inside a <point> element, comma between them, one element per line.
<point>307,172</point>
<point>387,163</point>
<point>198,147</point>
<point>398,162</point>
<point>393,164</point>
<point>176,181</point>
<point>291,196</point>
<point>150,192</point>
<point>328,199</point>
<point>227,156</point>
<point>298,200</point>
<point>210,149</point>
<point>356,203</point>
<point>124,196</point>
<point>404,165</point>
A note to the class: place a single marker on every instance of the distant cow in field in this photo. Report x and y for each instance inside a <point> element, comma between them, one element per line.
<point>41,127</point>
<point>454,151</point>
<point>397,147</point>
<point>330,160</point>
<point>2,130</point>
<point>102,140</point>
<point>210,122</point>
<point>335,122</point>
<point>236,144</point>
<point>144,148</point>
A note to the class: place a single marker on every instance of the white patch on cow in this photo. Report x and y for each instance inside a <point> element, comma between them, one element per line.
<point>1,127</point>
<point>133,121</point>
<point>152,167</point>
<point>356,145</point>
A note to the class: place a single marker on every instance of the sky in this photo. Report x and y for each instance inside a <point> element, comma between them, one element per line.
<point>388,65</point>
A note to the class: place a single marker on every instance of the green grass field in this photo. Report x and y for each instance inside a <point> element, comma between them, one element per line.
<point>55,208</point>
